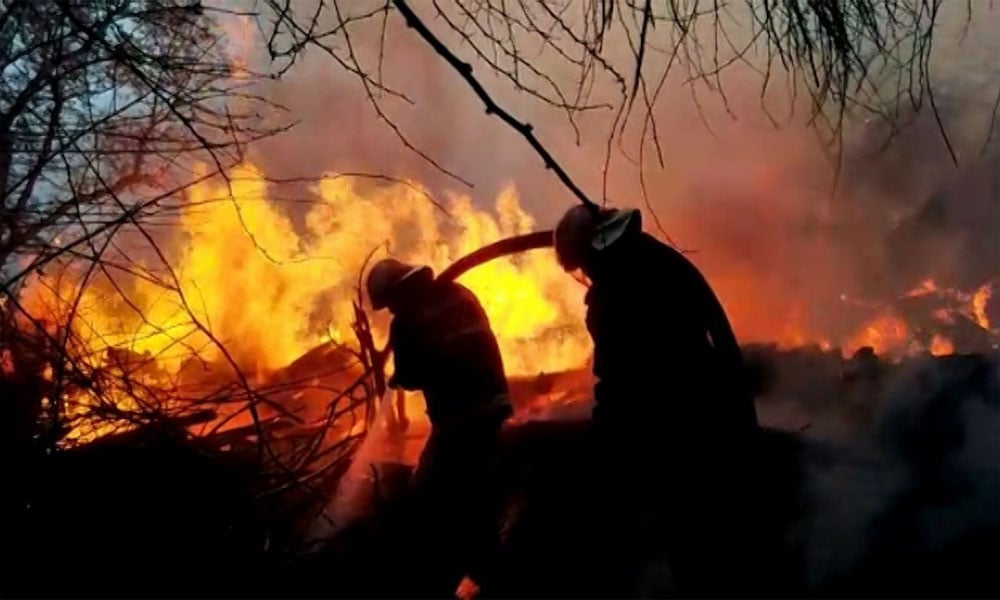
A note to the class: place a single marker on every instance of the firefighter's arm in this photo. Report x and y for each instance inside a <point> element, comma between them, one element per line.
<point>405,359</point>
<point>728,347</point>
<point>612,348</point>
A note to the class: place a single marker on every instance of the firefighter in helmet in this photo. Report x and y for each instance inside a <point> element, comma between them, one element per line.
<point>443,346</point>
<point>642,290</point>
<point>671,391</point>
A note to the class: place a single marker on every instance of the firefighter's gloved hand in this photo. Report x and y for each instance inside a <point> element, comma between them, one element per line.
<point>467,589</point>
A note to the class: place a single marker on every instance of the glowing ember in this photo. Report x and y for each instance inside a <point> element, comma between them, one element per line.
<point>887,333</point>
<point>941,346</point>
<point>926,287</point>
<point>943,315</point>
<point>6,362</point>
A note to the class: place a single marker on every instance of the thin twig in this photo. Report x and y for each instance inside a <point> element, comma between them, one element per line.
<point>465,70</point>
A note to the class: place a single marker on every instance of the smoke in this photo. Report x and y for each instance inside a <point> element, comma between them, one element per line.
<point>799,241</point>
<point>916,507</point>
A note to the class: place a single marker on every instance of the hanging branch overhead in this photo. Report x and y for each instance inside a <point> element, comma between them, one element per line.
<point>492,108</point>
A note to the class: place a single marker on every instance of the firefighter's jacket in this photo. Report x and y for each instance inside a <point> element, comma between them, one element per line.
<point>663,347</point>
<point>443,346</point>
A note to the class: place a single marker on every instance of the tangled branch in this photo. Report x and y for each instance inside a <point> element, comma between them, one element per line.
<point>858,58</point>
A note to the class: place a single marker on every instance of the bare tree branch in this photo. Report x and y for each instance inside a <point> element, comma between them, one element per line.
<point>465,70</point>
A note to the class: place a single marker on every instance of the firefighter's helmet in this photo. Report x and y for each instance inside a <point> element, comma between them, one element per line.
<point>385,278</point>
<point>582,231</point>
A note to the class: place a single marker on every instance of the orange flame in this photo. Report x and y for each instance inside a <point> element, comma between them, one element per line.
<point>928,286</point>
<point>271,294</point>
<point>269,288</point>
<point>941,346</point>
<point>269,291</point>
<point>978,305</point>
<point>886,333</point>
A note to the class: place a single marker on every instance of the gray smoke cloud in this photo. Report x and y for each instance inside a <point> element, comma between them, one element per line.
<point>914,507</point>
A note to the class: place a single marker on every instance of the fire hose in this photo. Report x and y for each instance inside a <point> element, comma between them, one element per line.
<point>720,329</point>
<point>505,247</point>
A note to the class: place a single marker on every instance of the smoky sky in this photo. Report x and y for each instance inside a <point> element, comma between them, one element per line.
<point>781,224</point>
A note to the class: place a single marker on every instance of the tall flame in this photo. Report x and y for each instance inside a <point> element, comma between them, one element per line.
<point>244,279</point>
<point>244,275</point>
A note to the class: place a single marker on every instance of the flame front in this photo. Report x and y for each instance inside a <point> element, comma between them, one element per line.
<point>245,281</point>
<point>243,277</point>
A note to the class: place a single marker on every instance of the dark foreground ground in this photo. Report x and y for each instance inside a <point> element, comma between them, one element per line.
<point>884,482</point>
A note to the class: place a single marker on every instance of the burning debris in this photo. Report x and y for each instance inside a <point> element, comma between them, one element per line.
<point>314,391</point>
<point>172,342</point>
<point>303,405</point>
<point>190,336</point>
<point>196,398</point>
